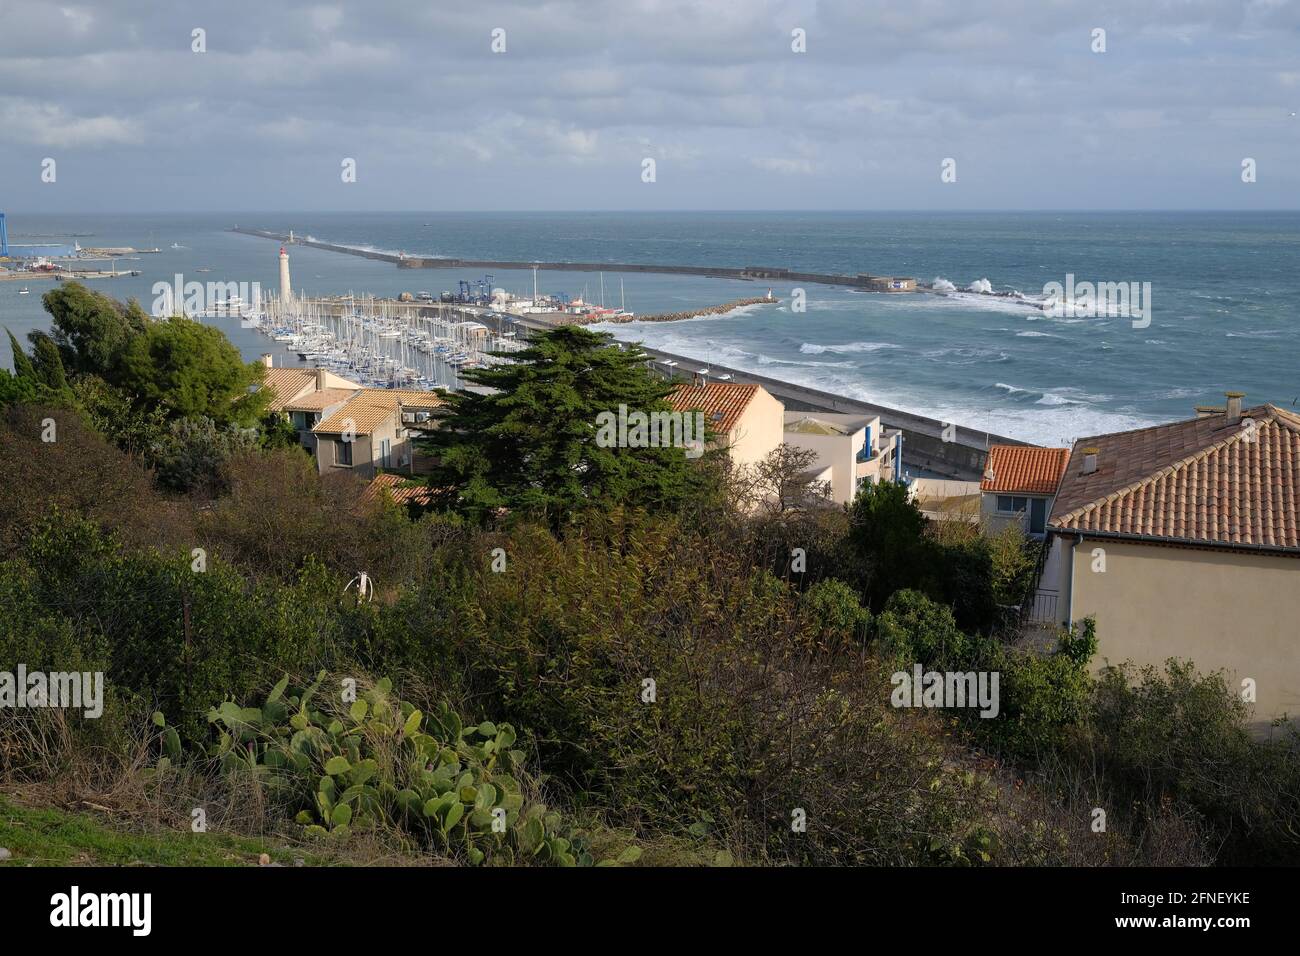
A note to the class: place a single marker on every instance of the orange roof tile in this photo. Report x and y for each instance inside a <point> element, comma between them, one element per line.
<point>1024,469</point>
<point>370,407</point>
<point>1203,481</point>
<point>319,400</point>
<point>721,402</point>
<point>401,489</point>
<point>286,384</point>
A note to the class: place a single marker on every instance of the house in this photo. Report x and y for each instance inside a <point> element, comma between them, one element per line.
<point>1019,486</point>
<point>850,449</point>
<point>746,419</point>
<point>373,429</point>
<point>1183,540</point>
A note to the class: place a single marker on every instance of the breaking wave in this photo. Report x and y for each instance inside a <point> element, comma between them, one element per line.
<point>811,348</point>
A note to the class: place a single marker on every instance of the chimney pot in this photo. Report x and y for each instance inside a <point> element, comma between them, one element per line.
<point>1233,413</point>
<point>1090,460</point>
<point>268,360</point>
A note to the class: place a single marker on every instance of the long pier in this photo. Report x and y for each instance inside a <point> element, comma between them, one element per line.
<point>861,280</point>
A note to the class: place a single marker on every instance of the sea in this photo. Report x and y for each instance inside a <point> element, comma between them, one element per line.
<point>1224,309</point>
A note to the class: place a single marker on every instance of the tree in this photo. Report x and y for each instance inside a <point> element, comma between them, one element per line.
<point>531,444</point>
<point>91,329</point>
<point>191,369</point>
<point>783,481</point>
<point>22,364</point>
<point>887,537</point>
<point>47,363</point>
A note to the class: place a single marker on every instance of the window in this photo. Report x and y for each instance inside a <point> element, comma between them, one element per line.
<point>385,458</point>
<point>342,452</point>
<point>1009,505</point>
<point>300,421</point>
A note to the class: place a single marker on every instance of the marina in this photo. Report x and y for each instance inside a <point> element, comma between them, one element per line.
<point>378,343</point>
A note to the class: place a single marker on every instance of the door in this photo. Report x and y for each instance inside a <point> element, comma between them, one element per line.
<point>1037,515</point>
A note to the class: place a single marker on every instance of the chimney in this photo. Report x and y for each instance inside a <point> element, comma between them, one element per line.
<point>320,378</point>
<point>1090,460</point>
<point>1233,413</point>
<point>268,360</point>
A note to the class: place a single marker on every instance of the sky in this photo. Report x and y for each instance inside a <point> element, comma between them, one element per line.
<point>740,104</point>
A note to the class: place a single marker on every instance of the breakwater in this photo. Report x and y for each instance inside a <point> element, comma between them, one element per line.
<point>693,313</point>
<point>861,280</point>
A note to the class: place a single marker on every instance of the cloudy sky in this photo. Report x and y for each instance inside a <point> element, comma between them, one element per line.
<point>711,90</point>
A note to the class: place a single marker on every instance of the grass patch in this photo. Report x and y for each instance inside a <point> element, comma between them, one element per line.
<point>42,836</point>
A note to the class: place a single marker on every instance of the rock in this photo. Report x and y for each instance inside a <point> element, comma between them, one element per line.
<point>5,854</point>
<point>299,861</point>
<point>264,860</point>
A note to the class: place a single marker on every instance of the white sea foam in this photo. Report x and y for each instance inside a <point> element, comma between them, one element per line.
<point>980,285</point>
<point>943,285</point>
<point>811,348</point>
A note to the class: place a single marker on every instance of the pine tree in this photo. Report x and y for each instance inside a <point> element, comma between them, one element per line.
<point>531,445</point>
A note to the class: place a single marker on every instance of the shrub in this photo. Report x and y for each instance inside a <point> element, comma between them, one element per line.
<point>380,761</point>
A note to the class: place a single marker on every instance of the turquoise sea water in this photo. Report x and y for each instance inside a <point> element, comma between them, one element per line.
<point>1225,297</point>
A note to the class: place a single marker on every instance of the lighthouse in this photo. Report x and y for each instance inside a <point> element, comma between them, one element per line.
<point>286,291</point>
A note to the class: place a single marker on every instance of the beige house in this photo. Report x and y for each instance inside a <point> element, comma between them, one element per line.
<point>374,429</point>
<point>1183,540</point>
<point>746,419</point>
<point>346,426</point>
<point>850,449</point>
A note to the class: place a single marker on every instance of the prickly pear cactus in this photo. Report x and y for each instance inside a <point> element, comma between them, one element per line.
<point>458,788</point>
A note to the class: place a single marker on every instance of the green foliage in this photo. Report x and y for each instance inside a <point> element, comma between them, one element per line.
<point>458,788</point>
<point>191,369</point>
<point>91,329</point>
<point>912,629</point>
<point>834,608</point>
<point>1179,735</point>
<point>112,412</point>
<point>35,380</point>
<point>531,446</point>
<point>195,455</point>
<point>886,537</point>
<point>22,364</point>
<point>46,362</point>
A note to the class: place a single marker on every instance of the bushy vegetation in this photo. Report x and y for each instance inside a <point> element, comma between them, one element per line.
<point>609,676</point>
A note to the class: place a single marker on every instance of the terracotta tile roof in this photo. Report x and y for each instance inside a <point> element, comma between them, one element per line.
<point>721,402</point>
<point>401,489</point>
<point>319,400</point>
<point>370,407</point>
<point>1203,481</point>
<point>414,397</point>
<point>287,384</point>
<point>1024,469</point>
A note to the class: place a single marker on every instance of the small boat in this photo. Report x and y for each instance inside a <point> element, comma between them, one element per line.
<point>24,291</point>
